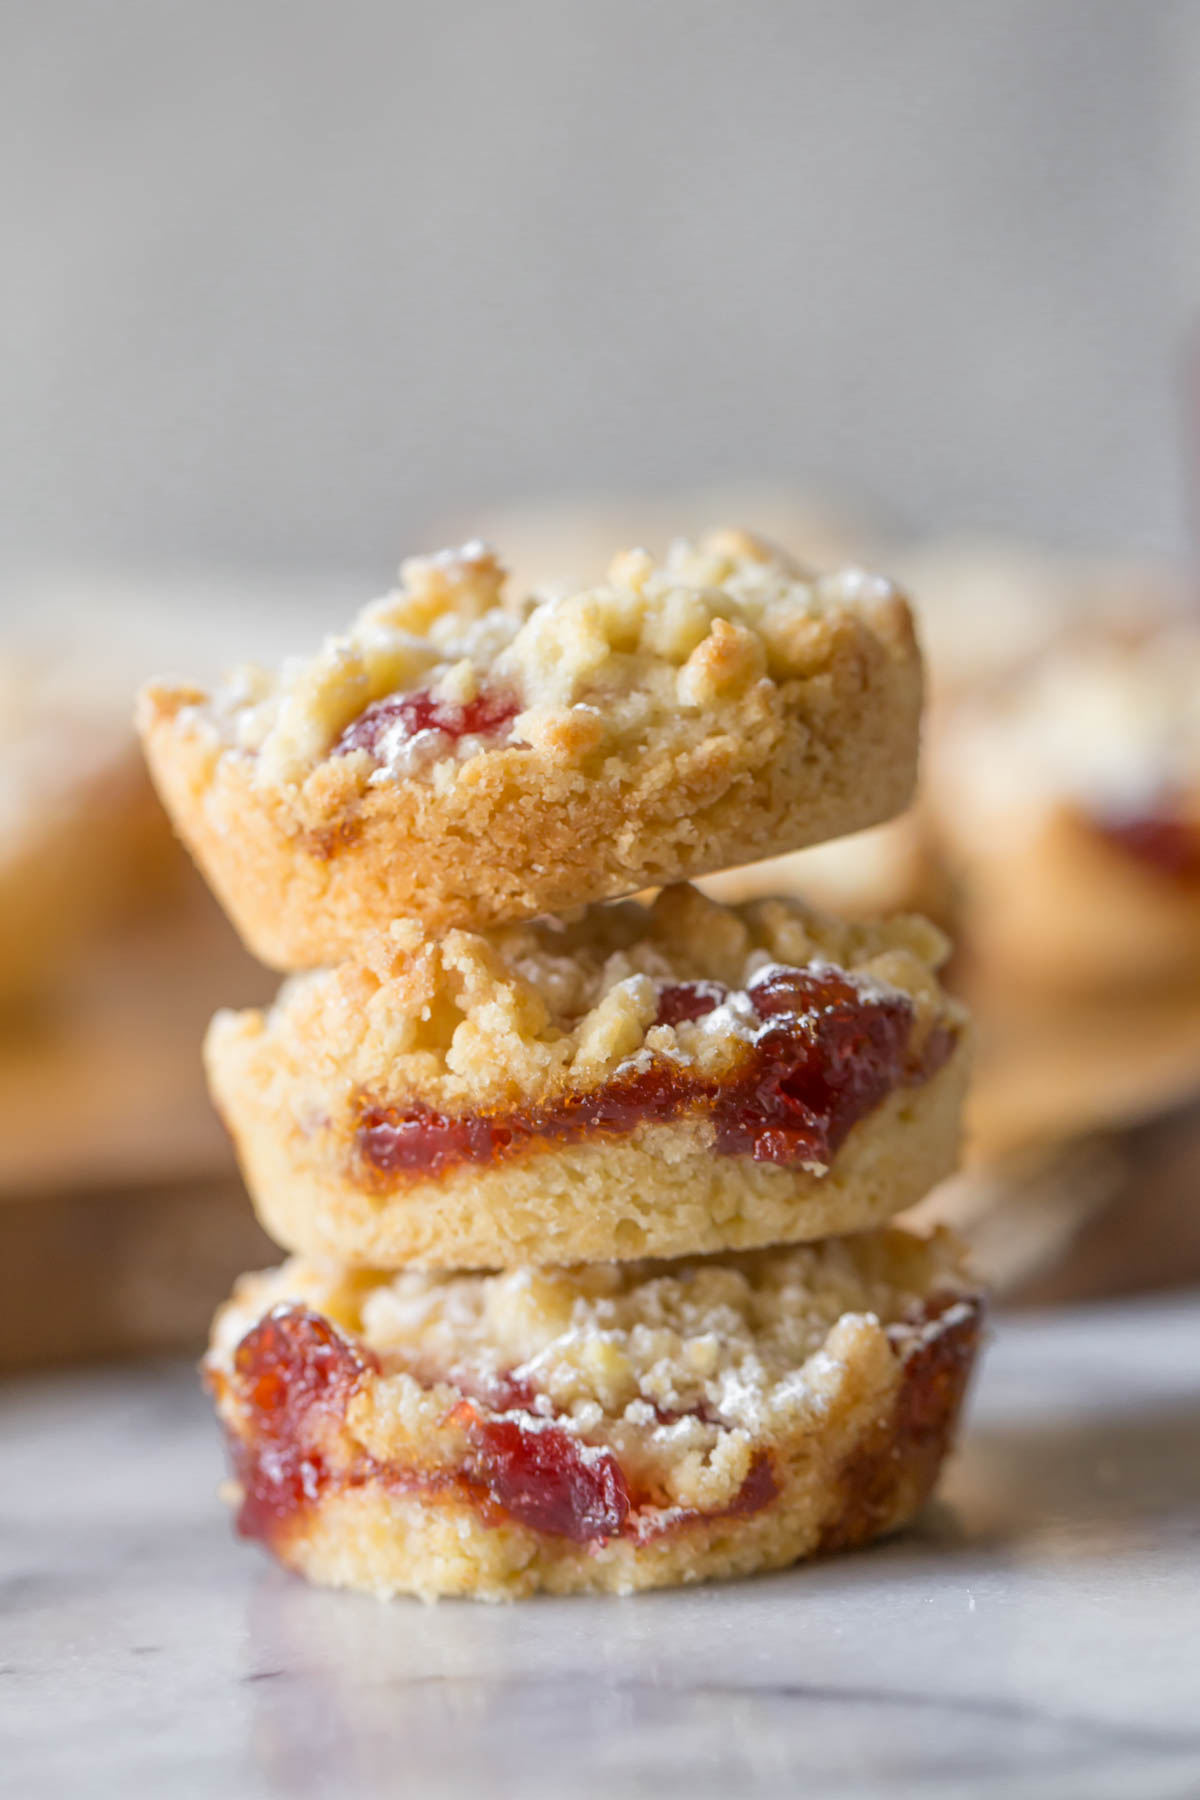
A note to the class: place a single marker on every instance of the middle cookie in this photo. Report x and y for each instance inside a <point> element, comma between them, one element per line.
<point>639,1081</point>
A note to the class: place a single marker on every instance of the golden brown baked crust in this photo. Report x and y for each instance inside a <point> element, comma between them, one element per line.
<point>684,717</point>
<point>606,1088</point>
<point>600,1428</point>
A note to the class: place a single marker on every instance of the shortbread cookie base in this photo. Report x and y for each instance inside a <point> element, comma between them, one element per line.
<point>398,1493</point>
<point>306,867</point>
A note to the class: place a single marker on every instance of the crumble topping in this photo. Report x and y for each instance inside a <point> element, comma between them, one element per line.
<point>583,672</point>
<point>680,1369</point>
<point>470,1021</point>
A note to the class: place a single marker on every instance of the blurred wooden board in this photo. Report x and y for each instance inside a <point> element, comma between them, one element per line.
<point>121,1272</point>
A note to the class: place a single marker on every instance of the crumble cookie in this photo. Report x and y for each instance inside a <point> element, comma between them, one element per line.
<point>1069,802</point>
<point>469,758</point>
<point>642,1081</point>
<point>608,1427</point>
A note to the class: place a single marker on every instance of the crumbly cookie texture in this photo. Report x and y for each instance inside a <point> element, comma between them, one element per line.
<point>605,1427</point>
<point>1069,802</point>
<point>638,1081</point>
<point>471,758</point>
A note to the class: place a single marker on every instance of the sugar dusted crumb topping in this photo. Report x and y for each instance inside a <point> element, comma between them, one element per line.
<point>680,1368</point>
<point>588,671</point>
<point>468,1020</point>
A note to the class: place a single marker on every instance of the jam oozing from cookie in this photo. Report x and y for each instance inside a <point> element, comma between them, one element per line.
<point>824,1055</point>
<point>292,1379</point>
<point>293,1376</point>
<point>1164,841</point>
<point>399,717</point>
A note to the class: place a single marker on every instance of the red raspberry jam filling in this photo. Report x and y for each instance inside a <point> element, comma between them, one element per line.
<point>545,1478</point>
<point>1164,841</point>
<point>402,716</point>
<point>824,1055</point>
<point>689,1000</point>
<point>293,1377</point>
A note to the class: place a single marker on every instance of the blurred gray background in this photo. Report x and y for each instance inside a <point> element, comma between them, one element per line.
<point>283,283</point>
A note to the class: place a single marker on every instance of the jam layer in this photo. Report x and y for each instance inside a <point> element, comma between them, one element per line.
<point>402,716</point>
<point>293,1377</point>
<point>825,1053</point>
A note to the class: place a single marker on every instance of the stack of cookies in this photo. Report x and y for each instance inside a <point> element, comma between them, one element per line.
<point>592,1281</point>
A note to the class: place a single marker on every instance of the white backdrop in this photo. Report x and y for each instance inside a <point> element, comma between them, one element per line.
<point>283,282</point>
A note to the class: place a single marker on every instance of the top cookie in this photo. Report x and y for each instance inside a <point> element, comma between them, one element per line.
<point>471,758</point>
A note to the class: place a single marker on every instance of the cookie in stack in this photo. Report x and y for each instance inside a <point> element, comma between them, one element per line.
<point>592,1281</point>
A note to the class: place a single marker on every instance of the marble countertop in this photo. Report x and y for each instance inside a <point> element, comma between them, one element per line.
<point>1038,1633</point>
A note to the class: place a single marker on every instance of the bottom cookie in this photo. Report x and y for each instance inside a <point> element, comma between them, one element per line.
<point>604,1427</point>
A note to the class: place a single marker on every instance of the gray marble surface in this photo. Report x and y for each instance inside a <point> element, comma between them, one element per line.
<point>1037,1634</point>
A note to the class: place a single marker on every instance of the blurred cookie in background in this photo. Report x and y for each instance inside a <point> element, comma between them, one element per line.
<point>890,868</point>
<point>988,609</point>
<point>85,847</point>
<point>1062,788</point>
<point>1058,839</point>
<point>83,841</point>
<point>121,1217</point>
<point>1067,800</point>
<point>1048,1072</point>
